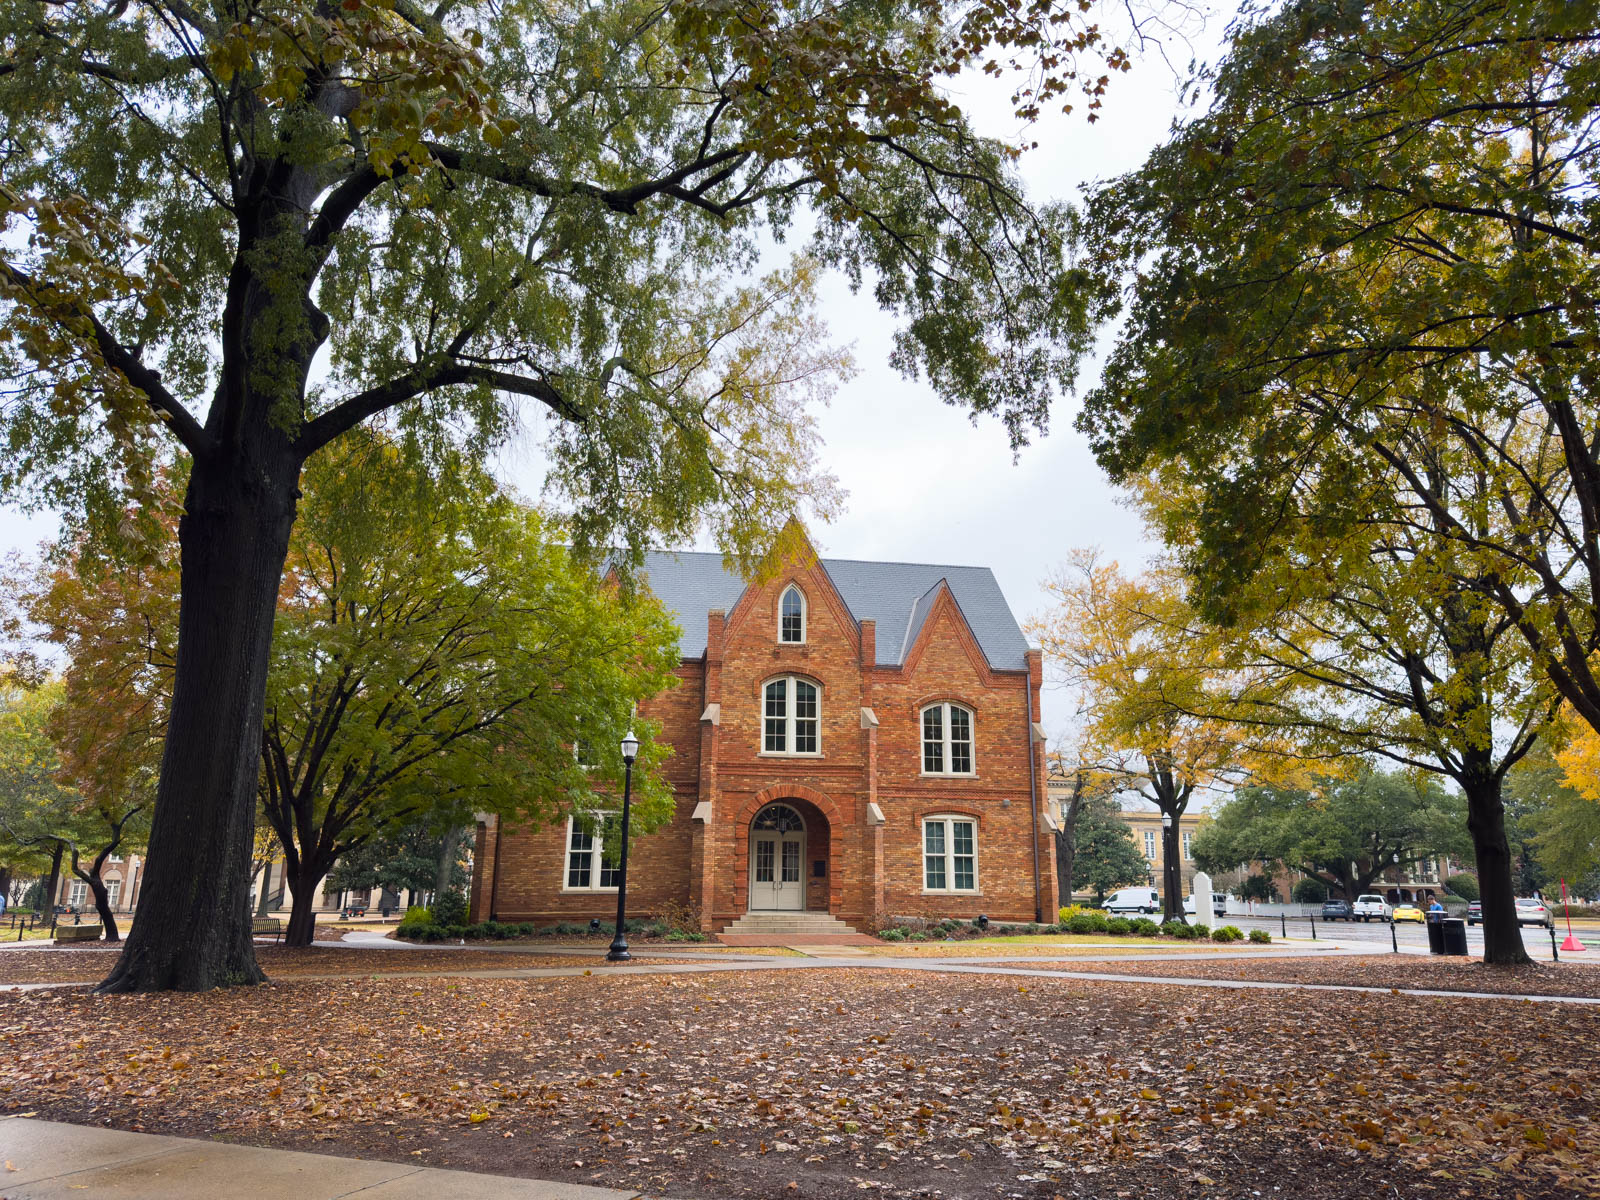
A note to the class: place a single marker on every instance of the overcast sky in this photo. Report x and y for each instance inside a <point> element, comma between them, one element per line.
<point>925,484</point>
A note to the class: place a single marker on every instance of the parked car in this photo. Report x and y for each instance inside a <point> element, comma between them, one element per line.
<point>1474,912</point>
<point>1370,907</point>
<point>1336,910</point>
<point>1134,900</point>
<point>1407,912</point>
<point>1219,905</point>
<point>1535,912</point>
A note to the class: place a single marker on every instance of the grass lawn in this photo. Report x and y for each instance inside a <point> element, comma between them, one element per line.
<point>835,1081</point>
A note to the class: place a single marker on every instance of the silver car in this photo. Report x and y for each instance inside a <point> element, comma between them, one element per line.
<point>1535,912</point>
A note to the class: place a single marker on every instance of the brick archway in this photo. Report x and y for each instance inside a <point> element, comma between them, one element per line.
<point>823,844</point>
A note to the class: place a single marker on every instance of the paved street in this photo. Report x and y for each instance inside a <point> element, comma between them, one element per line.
<point>1413,937</point>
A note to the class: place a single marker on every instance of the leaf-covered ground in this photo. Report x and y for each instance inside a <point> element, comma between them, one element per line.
<point>827,1082</point>
<point>91,966</point>
<point>1387,970</point>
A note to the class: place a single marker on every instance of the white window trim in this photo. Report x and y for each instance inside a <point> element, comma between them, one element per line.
<point>77,893</point>
<point>949,855</point>
<point>596,849</point>
<point>805,615</point>
<point>1150,845</point>
<point>1187,838</point>
<point>944,729</point>
<point>788,718</point>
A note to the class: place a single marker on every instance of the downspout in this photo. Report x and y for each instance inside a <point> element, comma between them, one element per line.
<point>1033,793</point>
<point>494,883</point>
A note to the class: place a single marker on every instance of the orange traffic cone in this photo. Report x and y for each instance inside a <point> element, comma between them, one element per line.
<point>1572,945</point>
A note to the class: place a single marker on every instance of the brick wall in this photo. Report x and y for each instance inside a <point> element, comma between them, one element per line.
<point>713,722</point>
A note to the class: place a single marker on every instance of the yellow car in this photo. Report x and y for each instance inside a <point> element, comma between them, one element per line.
<point>1408,912</point>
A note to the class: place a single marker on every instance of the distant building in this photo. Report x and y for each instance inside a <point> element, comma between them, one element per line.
<point>122,876</point>
<point>1141,815</point>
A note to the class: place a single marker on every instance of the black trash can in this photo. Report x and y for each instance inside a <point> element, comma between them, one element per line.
<point>1436,933</point>
<point>1453,935</point>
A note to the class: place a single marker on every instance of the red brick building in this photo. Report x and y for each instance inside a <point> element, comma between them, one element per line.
<point>852,741</point>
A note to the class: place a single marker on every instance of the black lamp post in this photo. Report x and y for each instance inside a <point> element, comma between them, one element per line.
<point>619,943</point>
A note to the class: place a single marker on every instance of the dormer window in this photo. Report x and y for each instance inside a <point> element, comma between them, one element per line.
<point>792,616</point>
<point>946,740</point>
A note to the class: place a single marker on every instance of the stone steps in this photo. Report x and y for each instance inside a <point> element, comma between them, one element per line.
<point>766,924</point>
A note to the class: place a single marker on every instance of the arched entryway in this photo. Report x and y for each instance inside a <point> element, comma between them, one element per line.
<point>778,860</point>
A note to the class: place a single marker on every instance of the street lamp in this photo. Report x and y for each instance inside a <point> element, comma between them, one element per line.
<point>619,943</point>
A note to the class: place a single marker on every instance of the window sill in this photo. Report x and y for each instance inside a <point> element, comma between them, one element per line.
<point>948,775</point>
<point>588,891</point>
<point>789,754</point>
<point>975,893</point>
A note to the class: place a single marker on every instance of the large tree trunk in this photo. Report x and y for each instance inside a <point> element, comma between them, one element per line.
<point>1172,874</point>
<point>192,928</point>
<point>1066,859</point>
<point>102,904</point>
<point>444,877</point>
<point>48,905</point>
<point>303,883</point>
<point>264,896</point>
<point>1486,821</point>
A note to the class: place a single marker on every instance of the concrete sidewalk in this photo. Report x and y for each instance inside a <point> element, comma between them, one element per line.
<point>45,1160</point>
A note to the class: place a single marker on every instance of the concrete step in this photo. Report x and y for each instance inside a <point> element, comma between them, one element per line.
<point>796,922</point>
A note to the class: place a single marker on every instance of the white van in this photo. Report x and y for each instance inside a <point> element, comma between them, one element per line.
<point>1134,900</point>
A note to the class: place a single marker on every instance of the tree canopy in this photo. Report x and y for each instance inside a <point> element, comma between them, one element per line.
<point>1346,832</point>
<point>1106,855</point>
<point>237,232</point>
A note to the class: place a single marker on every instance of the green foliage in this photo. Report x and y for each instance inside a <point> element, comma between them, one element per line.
<point>1119,926</point>
<point>1260,936</point>
<point>449,908</point>
<point>1227,933</point>
<point>893,934</point>
<point>1201,930</point>
<point>1258,887</point>
<point>1465,886</point>
<point>1367,820</point>
<point>1309,891</point>
<point>1145,927</point>
<point>1107,857</point>
<point>1178,929</point>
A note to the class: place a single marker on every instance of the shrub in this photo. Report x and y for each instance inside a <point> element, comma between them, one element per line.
<point>1260,937</point>
<point>1070,911</point>
<point>1228,933</point>
<point>1145,927</point>
<point>1309,891</point>
<point>1181,931</point>
<point>413,930</point>
<point>1082,923</point>
<point>1465,886</point>
<point>892,935</point>
<point>687,935</point>
<point>416,913</point>
<point>568,929</point>
<point>1201,930</point>
<point>1119,927</point>
<point>450,908</point>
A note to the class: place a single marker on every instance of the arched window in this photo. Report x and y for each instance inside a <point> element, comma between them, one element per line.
<point>947,740</point>
<point>791,717</point>
<point>792,615</point>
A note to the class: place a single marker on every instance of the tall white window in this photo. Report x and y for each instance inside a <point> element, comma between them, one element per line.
<point>949,854</point>
<point>591,867</point>
<point>791,717</point>
<point>1187,853</point>
<point>1150,845</point>
<point>114,891</point>
<point>77,894</point>
<point>946,740</point>
<point>792,615</point>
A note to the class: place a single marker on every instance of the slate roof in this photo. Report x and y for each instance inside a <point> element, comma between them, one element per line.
<point>898,596</point>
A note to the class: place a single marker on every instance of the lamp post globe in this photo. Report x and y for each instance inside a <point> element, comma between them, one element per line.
<point>619,941</point>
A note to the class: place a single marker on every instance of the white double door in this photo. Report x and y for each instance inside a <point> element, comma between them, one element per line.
<point>777,876</point>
